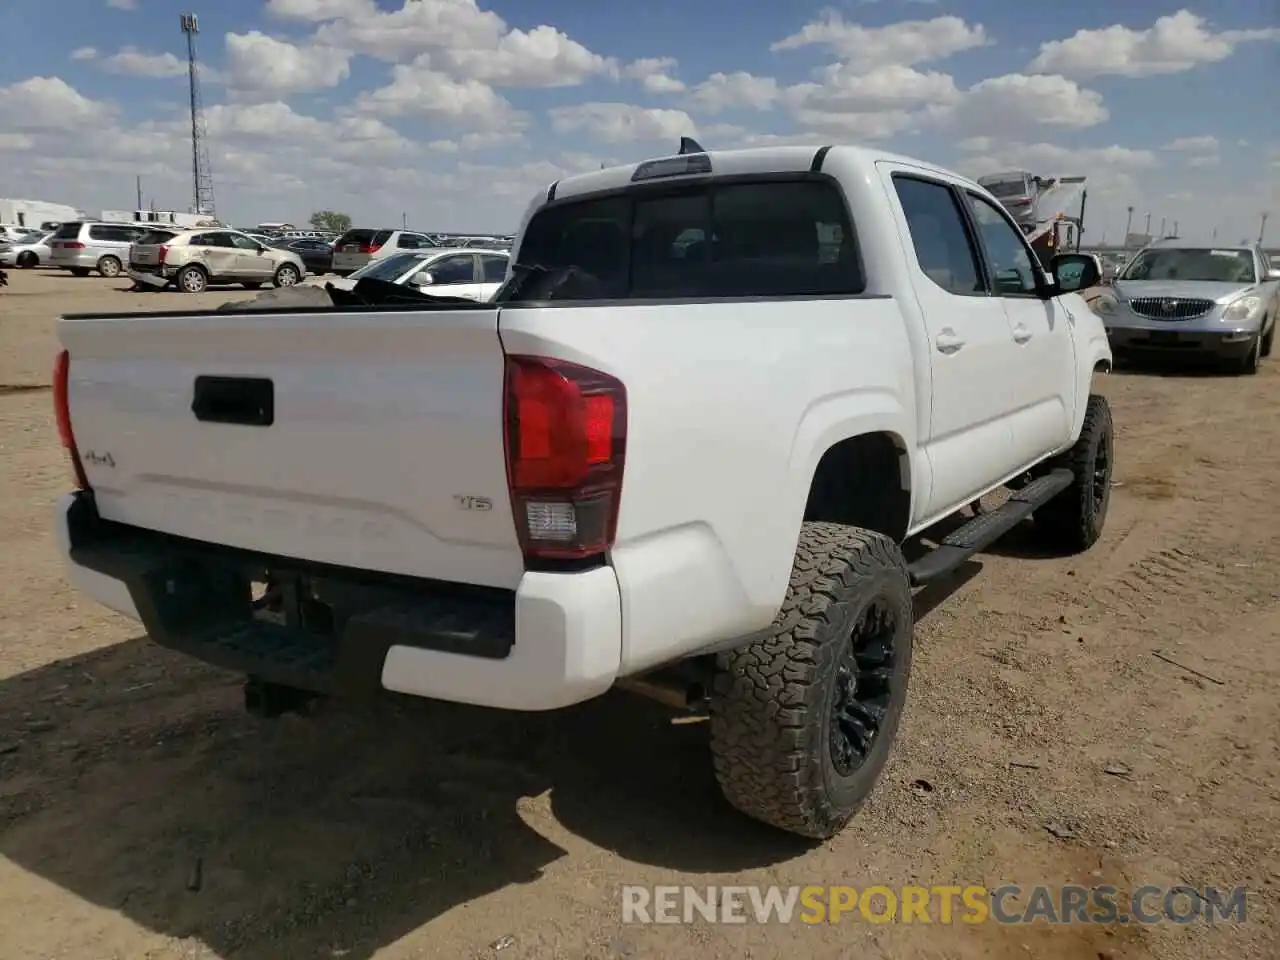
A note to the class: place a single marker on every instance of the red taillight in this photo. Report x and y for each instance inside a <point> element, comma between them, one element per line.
<point>73,245</point>
<point>62,414</point>
<point>164,252</point>
<point>370,247</point>
<point>566,438</point>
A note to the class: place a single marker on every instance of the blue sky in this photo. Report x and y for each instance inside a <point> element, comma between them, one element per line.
<point>1177,117</point>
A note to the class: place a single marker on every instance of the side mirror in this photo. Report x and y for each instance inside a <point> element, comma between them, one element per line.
<point>1075,271</point>
<point>423,279</point>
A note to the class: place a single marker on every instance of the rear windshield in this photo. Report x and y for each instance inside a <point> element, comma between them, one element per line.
<point>366,238</point>
<point>68,231</point>
<point>151,237</point>
<point>732,239</point>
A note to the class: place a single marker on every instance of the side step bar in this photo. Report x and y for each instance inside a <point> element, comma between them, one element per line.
<point>985,529</point>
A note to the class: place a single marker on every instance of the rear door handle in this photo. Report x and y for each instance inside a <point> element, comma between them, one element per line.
<point>1021,333</point>
<point>948,342</point>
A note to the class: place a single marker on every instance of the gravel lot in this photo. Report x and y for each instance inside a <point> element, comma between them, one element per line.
<point>1044,742</point>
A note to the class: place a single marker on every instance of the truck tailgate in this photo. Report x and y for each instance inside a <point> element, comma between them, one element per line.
<point>365,439</point>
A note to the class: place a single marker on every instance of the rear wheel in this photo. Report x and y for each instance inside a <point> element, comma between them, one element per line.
<point>110,267</point>
<point>1073,520</point>
<point>192,279</point>
<point>287,276</point>
<point>802,720</point>
<point>27,260</point>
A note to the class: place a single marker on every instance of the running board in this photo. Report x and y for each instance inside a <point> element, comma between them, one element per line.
<point>985,529</point>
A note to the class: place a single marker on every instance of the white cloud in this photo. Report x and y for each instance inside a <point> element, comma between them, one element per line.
<point>886,88</point>
<point>261,67</point>
<point>318,11</point>
<point>1193,144</point>
<point>417,89</point>
<point>132,62</point>
<point>123,4</point>
<point>1175,43</point>
<point>84,53</point>
<point>654,74</point>
<point>418,26</point>
<point>48,103</point>
<point>542,57</point>
<point>907,42</point>
<point>623,123</point>
<point>728,91</point>
<point>1015,102</point>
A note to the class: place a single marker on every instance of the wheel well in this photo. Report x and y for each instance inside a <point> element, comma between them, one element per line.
<point>863,481</point>
<point>1102,366</point>
<point>110,256</point>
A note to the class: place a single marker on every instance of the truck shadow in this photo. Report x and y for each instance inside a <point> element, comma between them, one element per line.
<point>131,777</point>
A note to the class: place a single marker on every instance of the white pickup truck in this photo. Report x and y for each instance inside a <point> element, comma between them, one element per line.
<point>679,452</point>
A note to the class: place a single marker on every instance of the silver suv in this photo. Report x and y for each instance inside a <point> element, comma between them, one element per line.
<point>82,246</point>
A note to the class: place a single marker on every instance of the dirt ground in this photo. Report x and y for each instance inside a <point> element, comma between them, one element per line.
<point>1045,741</point>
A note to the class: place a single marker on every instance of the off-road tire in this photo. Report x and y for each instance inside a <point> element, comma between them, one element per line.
<point>79,271</point>
<point>110,267</point>
<point>27,260</point>
<point>772,701</point>
<point>186,282</point>
<point>289,270</point>
<point>1072,521</point>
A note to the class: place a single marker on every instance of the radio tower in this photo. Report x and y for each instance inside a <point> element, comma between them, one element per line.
<point>201,177</point>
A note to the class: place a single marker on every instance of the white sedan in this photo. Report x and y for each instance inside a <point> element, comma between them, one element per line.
<point>474,274</point>
<point>26,253</point>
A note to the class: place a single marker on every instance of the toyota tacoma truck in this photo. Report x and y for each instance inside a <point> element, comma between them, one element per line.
<point>679,452</point>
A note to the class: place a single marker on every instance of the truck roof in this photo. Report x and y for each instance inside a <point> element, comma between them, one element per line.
<point>754,160</point>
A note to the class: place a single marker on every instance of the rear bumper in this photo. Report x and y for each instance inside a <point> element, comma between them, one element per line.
<point>555,641</point>
<point>148,279</point>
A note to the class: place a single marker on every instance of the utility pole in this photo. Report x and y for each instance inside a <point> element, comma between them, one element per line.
<point>202,179</point>
<point>1128,224</point>
<point>1162,220</point>
<point>1262,229</point>
<point>1175,228</point>
<point>139,207</point>
<point>1148,230</point>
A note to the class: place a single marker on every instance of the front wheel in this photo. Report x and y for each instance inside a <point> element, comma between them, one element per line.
<point>192,279</point>
<point>803,719</point>
<point>287,276</point>
<point>1248,365</point>
<point>1073,520</point>
<point>110,267</point>
<point>28,260</point>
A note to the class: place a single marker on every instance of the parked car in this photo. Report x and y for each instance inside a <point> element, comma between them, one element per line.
<point>193,259</point>
<point>447,272</point>
<point>358,246</point>
<point>83,246</point>
<point>316,255</point>
<point>676,470</point>
<point>1182,298</point>
<point>27,253</point>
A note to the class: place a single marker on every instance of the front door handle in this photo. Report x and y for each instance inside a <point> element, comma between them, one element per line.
<point>1021,334</point>
<point>948,342</point>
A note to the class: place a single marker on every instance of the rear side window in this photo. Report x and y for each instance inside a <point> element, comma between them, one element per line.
<point>111,232</point>
<point>365,238</point>
<point>733,239</point>
<point>495,268</point>
<point>412,241</point>
<point>938,234</point>
<point>68,231</point>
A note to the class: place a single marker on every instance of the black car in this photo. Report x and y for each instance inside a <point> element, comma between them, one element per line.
<point>317,256</point>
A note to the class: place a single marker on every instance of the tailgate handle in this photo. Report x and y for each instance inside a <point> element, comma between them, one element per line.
<point>248,401</point>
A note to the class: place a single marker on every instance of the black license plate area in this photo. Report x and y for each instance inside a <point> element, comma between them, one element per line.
<point>1163,338</point>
